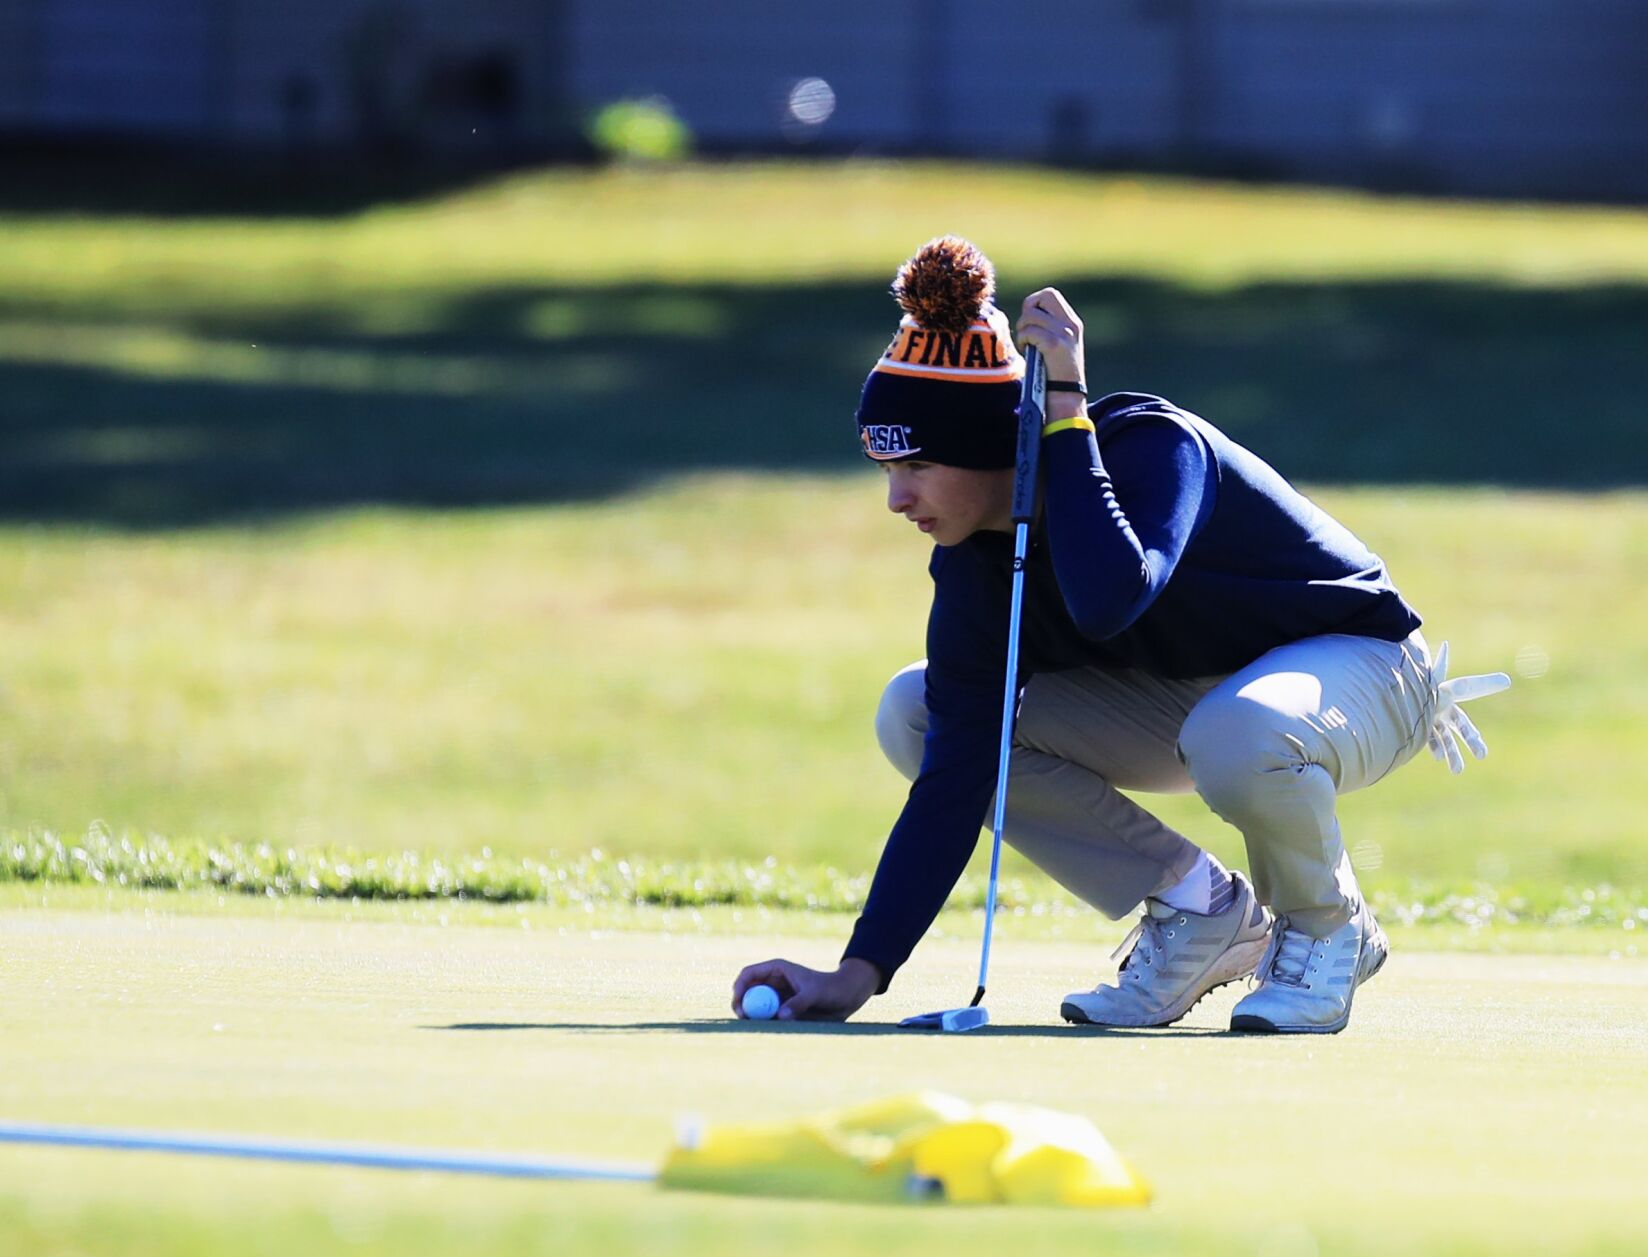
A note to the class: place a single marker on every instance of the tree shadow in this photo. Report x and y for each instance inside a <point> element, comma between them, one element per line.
<point>126,176</point>
<point>178,414</point>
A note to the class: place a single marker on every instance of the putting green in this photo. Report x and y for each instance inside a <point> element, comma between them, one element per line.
<point>1477,1103</point>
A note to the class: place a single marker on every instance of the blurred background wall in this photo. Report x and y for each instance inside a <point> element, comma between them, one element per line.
<point>1541,98</point>
<point>374,73</point>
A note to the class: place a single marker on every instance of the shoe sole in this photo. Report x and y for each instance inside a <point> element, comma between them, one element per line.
<point>1247,1023</point>
<point>1076,1016</point>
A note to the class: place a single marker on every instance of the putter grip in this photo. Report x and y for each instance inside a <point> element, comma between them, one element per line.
<point>1032,411</point>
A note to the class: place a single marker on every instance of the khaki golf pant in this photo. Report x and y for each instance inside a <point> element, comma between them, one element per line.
<point>1269,748</point>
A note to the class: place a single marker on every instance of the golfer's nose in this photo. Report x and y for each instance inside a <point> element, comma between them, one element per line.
<point>899,497</point>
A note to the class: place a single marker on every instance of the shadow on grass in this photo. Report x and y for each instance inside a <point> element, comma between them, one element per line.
<point>117,175</point>
<point>847,1029</point>
<point>175,414</point>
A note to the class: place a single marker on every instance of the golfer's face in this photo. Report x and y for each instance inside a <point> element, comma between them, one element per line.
<point>947,503</point>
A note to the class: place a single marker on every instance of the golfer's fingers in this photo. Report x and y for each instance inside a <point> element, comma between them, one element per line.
<point>1467,730</point>
<point>1439,667</point>
<point>795,1008</point>
<point>1061,351</point>
<point>773,973</point>
<point>1464,689</point>
<point>1046,331</point>
<point>1456,761</point>
<point>1434,741</point>
<point>1051,301</point>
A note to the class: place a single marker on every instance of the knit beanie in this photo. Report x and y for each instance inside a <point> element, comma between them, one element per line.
<point>947,389</point>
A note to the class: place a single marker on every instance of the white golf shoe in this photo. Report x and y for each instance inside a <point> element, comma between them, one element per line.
<point>1173,959</point>
<point>1306,984</point>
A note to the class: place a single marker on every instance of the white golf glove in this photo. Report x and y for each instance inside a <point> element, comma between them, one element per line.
<point>1450,726</point>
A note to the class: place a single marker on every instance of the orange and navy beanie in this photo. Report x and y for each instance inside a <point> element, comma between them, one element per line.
<point>947,389</point>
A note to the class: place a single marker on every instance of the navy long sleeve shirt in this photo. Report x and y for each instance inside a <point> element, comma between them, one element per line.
<point>1163,546</point>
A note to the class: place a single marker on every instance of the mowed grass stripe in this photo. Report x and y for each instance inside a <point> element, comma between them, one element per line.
<point>1477,1104</point>
<point>798,222</point>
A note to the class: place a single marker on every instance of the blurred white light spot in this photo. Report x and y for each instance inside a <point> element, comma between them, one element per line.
<point>1367,855</point>
<point>1531,661</point>
<point>811,102</point>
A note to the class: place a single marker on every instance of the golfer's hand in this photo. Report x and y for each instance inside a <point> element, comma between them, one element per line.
<point>1050,323</point>
<point>810,994</point>
<point>1451,726</point>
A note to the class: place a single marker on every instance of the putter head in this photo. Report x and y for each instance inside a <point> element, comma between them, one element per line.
<point>951,1021</point>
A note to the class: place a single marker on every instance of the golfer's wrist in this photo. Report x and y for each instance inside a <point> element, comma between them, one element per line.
<point>1065,406</point>
<point>862,976</point>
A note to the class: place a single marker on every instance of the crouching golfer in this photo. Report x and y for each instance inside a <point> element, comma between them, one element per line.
<point>1190,622</point>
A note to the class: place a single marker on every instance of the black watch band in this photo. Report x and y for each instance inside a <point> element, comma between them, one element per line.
<point>1065,386</point>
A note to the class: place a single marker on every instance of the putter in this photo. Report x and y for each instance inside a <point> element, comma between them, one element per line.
<point>1032,406</point>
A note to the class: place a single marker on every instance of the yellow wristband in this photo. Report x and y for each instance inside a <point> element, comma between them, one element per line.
<point>1064,425</point>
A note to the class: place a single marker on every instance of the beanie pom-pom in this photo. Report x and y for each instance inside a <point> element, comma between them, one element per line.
<point>946,285</point>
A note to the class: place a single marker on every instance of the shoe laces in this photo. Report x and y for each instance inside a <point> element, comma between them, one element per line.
<point>1287,957</point>
<point>1143,940</point>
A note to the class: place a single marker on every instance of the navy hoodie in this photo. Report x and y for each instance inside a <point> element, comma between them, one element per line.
<point>1163,546</point>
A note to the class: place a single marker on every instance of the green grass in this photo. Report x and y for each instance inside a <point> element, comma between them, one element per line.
<point>597,882</point>
<point>1593,922</point>
<point>691,675</point>
<point>244,652</point>
<point>802,221</point>
<point>1476,1105</point>
<point>628,645</point>
<point>479,347</point>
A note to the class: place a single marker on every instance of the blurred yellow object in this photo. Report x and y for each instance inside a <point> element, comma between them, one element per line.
<point>641,131</point>
<point>924,1145</point>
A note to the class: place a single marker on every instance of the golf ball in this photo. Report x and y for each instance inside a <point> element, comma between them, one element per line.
<point>760,1003</point>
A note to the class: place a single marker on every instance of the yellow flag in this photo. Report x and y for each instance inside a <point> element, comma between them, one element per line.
<point>920,1146</point>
